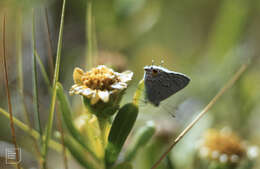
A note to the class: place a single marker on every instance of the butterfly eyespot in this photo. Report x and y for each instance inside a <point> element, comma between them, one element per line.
<point>154,72</point>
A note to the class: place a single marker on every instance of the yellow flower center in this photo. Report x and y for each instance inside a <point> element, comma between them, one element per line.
<point>99,78</point>
<point>225,143</point>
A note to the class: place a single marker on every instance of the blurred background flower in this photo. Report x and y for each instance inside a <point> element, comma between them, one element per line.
<point>224,149</point>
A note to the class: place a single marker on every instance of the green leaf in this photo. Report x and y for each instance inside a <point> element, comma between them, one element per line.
<point>141,138</point>
<point>83,156</point>
<point>67,118</point>
<point>121,127</point>
<point>124,165</point>
<point>88,126</point>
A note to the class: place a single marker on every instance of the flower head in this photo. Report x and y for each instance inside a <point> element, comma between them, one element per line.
<point>223,146</point>
<point>99,83</point>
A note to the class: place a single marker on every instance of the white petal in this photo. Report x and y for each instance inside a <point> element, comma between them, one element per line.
<point>110,76</point>
<point>104,95</point>
<point>74,86</point>
<point>78,90</point>
<point>126,76</point>
<point>119,85</point>
<point>71,92</point>
<point>87,92</point>
<point>101,66</point>
<point>94,98</point>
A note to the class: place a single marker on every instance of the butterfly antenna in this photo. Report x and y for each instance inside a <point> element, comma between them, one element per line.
<point>162,62</point>
<point>152,62</point>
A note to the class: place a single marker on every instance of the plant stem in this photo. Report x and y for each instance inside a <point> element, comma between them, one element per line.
<point>9,101</point>
<point>43,70</point>
<point>20,81</point>
<point>104,126</point>
<point>95,43</point>
<point>49,43</point>
<point>53,144</point>
<point>64,152</point>
<point>89,59</point>
<point>229,84</point>
<point>35,80</point>
<point>54,92</point>
<point>20,66</point>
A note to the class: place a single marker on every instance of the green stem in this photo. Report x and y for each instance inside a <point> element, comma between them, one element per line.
<point>53,144</point>
<point>49,43</point>
<point>55,80</point>
<point>104,126</point>
<point>35,81</point>
<point>43,70</point>
<point>20,81</point>
<point>95,43</point>
<point>89,59</point>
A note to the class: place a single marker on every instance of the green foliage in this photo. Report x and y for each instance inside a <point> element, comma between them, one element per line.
<point>142,137</point>
<point>82,155</point>
<point>54,92</point>
<point>121,127</point>
<point>124,165</point>
<point>67,117</point>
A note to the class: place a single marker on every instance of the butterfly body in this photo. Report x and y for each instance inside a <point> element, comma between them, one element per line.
<point>161,83</point>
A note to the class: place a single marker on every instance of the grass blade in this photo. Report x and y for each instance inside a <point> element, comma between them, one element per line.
<point>33,133</point>
<point>49,42</point>
<point>43,71</point>
<point>66,111</point>
<point>20,67</point>
<point>55,79</point>
<point>9,100</point>
<point>64,152</point>
<point>89,59</point>
<point>35,81</point>
<point>21,82</point>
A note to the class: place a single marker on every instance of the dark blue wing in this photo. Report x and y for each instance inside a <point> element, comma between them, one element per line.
<point>164,85</point>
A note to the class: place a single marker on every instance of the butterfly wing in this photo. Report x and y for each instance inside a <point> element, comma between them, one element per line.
<point>152,91</point>
<point>172,83</point>
<point>164,85</point>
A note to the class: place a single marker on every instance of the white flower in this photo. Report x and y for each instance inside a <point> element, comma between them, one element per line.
<point>99,83</point>
<point>253,152</point>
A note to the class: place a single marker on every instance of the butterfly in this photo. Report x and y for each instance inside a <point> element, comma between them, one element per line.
<point>160,83</point>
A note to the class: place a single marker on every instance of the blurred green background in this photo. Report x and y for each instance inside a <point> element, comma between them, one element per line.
<point>207,40</point>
